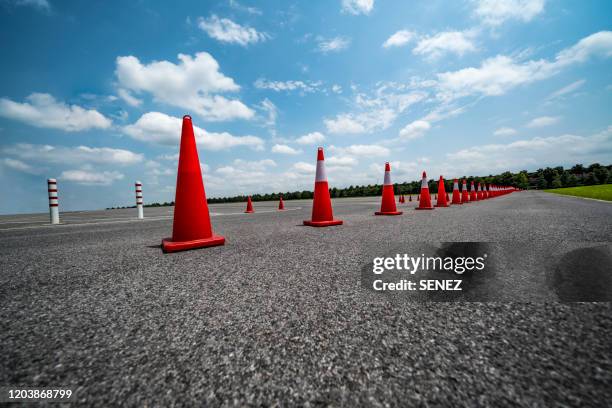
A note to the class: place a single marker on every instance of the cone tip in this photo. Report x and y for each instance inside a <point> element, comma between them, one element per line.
<point>387,166</point>
<point>51,180</point>
<point>424,174</point>
<point>320,154</point>
<point>186,117</point>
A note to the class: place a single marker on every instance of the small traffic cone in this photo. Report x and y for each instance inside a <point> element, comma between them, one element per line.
<point>441,199</point>
<point>281,204</point>
<point>322,213</point>
<point>479,192</point>
<point>473,195</point>
<point>456,194</point>
<point>410,197</point>
<point>485,191</point>
<point>387,205</point>
<point>465,196</point>
<point>191,227</point>
<point>249,208</point>
<point>424,197</point>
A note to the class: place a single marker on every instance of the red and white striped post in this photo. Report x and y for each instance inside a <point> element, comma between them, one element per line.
<point>139,200</point>
<point>53,203</point>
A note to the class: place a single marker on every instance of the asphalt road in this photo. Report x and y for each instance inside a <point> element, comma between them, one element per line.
<point>285,315</point>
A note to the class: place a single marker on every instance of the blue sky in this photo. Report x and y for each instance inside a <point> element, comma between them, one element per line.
<point>92,93</point>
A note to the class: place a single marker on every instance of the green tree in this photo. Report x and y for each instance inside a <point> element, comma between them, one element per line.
<point>541,184</point>
<point>556,183</point>
<point>601,175</point>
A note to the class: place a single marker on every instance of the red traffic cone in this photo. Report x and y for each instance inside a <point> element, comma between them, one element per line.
<point>465,195</point>
<point>473,195</point>
<point>479,192</point>
<point>424,197</point>
<point>191,227</point>
<point>456,194</point>
<point>322,213</point>
<point>249,208</point>
<point>441,199</point>
<point>281,204</point>
<point>387,205</point>
<point>485,192</point>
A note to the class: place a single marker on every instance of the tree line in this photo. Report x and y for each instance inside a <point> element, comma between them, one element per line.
<point>549,177</point>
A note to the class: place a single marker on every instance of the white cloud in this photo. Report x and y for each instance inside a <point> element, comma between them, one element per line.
<point>336,88</point>
<point>357,6</point>
<point>284,149</point>
<point>344,124</point>
<point>311,138</point>
<point>272,111</point>
<point>227,31</point>
<point>568,89</point>
<point>128,97</point>
<point>543,121</point>
<point>280,86</point>
<point>498,75</point>
<point>251,10</point>
<point>399,39</point>
<point>454,42</point>
<point>370,150</point>
<point>504,131</point>
<point>333,44</point>
<point>190,84</point>
<point>73,155</point>
<point>414,130</point>
<point>254,165</point>
<point>85,177</point>
<point>534,153</point>
<point>303,167</point>
<point>43,111</point>
<point>159,128</point>
<point>343,161</point>
<point>495,12</point>
<point>18,165</point>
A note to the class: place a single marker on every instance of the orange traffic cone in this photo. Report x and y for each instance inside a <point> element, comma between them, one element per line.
<point>322,213</point>
<point>456,194</point>
<point>191,227</point>
<point>424,197</point>
<point>249,208</point>
<point>473,195</point>
<point>465,195</point>
<point>441,199</point>
<point>387,205</point>
<point>281,204</point>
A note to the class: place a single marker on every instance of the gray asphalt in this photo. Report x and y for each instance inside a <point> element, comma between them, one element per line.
<point>283,314</point>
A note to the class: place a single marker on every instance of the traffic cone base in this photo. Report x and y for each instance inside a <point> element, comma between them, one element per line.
<point>388,213</point>
<point>424,208</point>
<point>174,246</point>
<point>322,223</point>
<point>442,205</point>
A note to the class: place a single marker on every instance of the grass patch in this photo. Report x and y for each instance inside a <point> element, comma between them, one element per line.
<point>600,192</point>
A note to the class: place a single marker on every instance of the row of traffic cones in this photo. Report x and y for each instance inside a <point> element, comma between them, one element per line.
<point>192,227</point>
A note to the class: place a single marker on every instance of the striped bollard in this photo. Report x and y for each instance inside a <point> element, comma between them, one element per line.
<point>139,200</point>
<point>53,203</point>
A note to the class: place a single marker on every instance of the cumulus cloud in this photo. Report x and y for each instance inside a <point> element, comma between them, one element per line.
<point>504,131</point>
<point>129,98</point>
<point>72,155</point>
<point>333,44</point>
<point>370,150</point>
<point>227,31</point>
<point>159,128</point>
<point>85,177</point>
<point>44,111</point>
<point>357,6</point>
<point>303,167</point>
<point>311,138</point>
<point>449,42</point>
<point>499,74</point>
<point>284,149</point>
<point>399,39</point>
<point>496,12</point>
<point>543,121</point>
<point>414,130</point>
<point>18,165</point>
<point>191,84</point>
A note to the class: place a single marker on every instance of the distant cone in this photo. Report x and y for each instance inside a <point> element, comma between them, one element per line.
<point>424,197</point>
<point>387,205</point>
<point>281,204</point>
<point>249,207</point>
<point>485,191</point>
<point>479,192</point>
<point>410,197</point>
<point>473,194</point>
<point>442,198</point>
<point>456,193</point>
<point>322,213</point>
<point>465,195</point>
<point>191,227</point>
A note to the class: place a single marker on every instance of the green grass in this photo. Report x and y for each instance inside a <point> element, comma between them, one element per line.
<point>601,192</point>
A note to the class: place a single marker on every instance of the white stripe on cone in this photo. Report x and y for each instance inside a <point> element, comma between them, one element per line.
<point>321,176</point>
